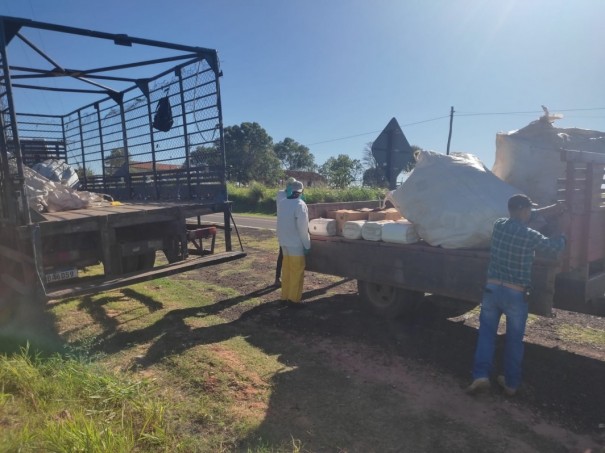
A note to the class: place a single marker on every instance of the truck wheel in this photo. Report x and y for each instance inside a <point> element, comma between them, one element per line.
<point>386,300</point>
<point>135,263</point>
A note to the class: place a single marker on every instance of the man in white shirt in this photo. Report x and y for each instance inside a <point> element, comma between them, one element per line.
<point>295,243</point>
<point>281,195</point>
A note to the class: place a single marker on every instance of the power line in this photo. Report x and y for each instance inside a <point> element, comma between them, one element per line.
<point>533,112</point>
<point>527,112</point>
<point>374,132</point>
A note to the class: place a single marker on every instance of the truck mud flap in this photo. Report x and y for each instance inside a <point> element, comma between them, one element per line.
<point>92,287</point>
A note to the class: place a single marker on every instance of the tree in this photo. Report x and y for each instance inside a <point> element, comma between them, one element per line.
<point>115,161</point>
<point>341,171</point>
<point>294,156</point>
<point>249,154</point>
<point>373,174</point>
<point>80,172</point>
<point>206,156</point>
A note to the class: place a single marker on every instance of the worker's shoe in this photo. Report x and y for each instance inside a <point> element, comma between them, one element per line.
<point>479,385</point>
<point>509,391</point>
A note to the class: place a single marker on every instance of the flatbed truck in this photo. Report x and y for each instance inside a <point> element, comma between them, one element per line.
<point>393,278</point>
<point>159,184</point>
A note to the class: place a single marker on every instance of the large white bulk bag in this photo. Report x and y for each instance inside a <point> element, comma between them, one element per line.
<point>372,231</point>
<point>352,229</point>
<point>322,227</point>
<point>530,158</point>
<point>453,201</point>
<point>400,232</point>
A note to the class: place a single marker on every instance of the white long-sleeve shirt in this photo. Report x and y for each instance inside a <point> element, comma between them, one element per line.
<point>281,196</point>
<point>293,224</point>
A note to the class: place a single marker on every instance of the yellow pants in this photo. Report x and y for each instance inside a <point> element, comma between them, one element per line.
<point>292,277</point>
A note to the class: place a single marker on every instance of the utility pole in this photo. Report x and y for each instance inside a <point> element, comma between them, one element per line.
<point>449,137</point>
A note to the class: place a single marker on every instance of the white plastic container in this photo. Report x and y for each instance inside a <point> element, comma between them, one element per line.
<point>352,229</point>
<point>400,232</point>
<point>322,227</point>
<point>372,231</point>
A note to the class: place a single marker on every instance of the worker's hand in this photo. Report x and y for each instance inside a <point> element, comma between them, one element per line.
<point>561,207</point>
<point>562,223</point>
<point>307,251</point>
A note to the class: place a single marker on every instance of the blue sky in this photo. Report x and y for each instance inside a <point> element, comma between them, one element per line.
<point>332,73</point>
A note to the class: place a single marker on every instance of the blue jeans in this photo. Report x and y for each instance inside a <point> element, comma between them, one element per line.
<point>498,300</point>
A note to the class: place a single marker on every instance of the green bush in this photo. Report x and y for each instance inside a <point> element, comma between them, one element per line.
<point>261,199</point>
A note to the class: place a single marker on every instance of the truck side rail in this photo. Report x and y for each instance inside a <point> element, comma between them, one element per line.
<point>581,284</point>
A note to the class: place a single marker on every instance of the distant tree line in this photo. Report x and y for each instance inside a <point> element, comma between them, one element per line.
<point>251,155</point>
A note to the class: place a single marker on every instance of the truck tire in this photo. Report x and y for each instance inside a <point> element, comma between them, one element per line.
<point>386,300</point>
<point>136,263</point>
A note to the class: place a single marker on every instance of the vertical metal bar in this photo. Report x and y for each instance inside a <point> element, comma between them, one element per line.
<point>227,223</point>
<point>152,143</point>
<point>19,193</point>
<point>179,73</point>
<point>588,194</point>
<point>8,211</point>
<point>223,175</point>
<point>81,133</point>
<point>101,145</point>
<point>64,137</point>
<point>126,156</point>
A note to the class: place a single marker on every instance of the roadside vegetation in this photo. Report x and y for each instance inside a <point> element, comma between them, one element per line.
<point>259,198</point>
<point>65,404</point>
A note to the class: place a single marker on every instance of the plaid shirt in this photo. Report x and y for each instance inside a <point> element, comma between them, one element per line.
<point>513,248</point>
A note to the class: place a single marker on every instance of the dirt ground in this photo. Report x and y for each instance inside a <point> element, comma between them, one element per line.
<point>428,357</point>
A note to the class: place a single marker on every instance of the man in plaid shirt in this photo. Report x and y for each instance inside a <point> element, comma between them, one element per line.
<point>508,280</point>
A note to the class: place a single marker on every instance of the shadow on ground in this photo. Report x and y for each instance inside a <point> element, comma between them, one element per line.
<point>311,394</point>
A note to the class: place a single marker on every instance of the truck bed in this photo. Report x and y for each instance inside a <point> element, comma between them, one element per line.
<point>125,214</point>
<point>455,273</point>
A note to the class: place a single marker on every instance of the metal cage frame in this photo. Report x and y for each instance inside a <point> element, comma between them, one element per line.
<point>111,140</point>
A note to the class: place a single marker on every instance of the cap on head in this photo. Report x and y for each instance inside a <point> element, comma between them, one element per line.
<point>289,183</point>
<point>519,201</point>
<point>297,186</point>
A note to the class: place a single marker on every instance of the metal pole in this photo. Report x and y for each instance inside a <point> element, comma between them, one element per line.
<point>82,146</point>
<point>126,157</point>
<point>156,185</point>
<point>102,145</point>
<point>449,137</point>
<point>19,179</point>
<point>185,132</point>
<point>223,175</point>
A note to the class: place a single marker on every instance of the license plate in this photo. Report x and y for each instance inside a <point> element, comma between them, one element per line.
<point>65,274</point>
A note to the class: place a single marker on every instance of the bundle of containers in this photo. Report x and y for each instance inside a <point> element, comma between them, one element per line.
<point>385,225</point>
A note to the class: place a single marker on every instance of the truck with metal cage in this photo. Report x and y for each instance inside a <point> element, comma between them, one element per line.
<point>157,184</point>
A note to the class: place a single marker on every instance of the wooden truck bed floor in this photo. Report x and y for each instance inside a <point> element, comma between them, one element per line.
<point>125,214</point>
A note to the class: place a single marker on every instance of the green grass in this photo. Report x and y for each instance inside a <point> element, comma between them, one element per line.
<point>64,404</point>
<point>584,335</point>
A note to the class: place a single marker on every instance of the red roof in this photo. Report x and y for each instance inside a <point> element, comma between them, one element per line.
<point>148,166</point>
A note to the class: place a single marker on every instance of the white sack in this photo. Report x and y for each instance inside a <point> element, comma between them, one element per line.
<point>453,201</point>
<point>372,231</point>
<point>322,227</point>
<point>57,170</point>
<point>530,158</point>
<point>400,232</point>
<point>352,229</point>
<point>47,196</point>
